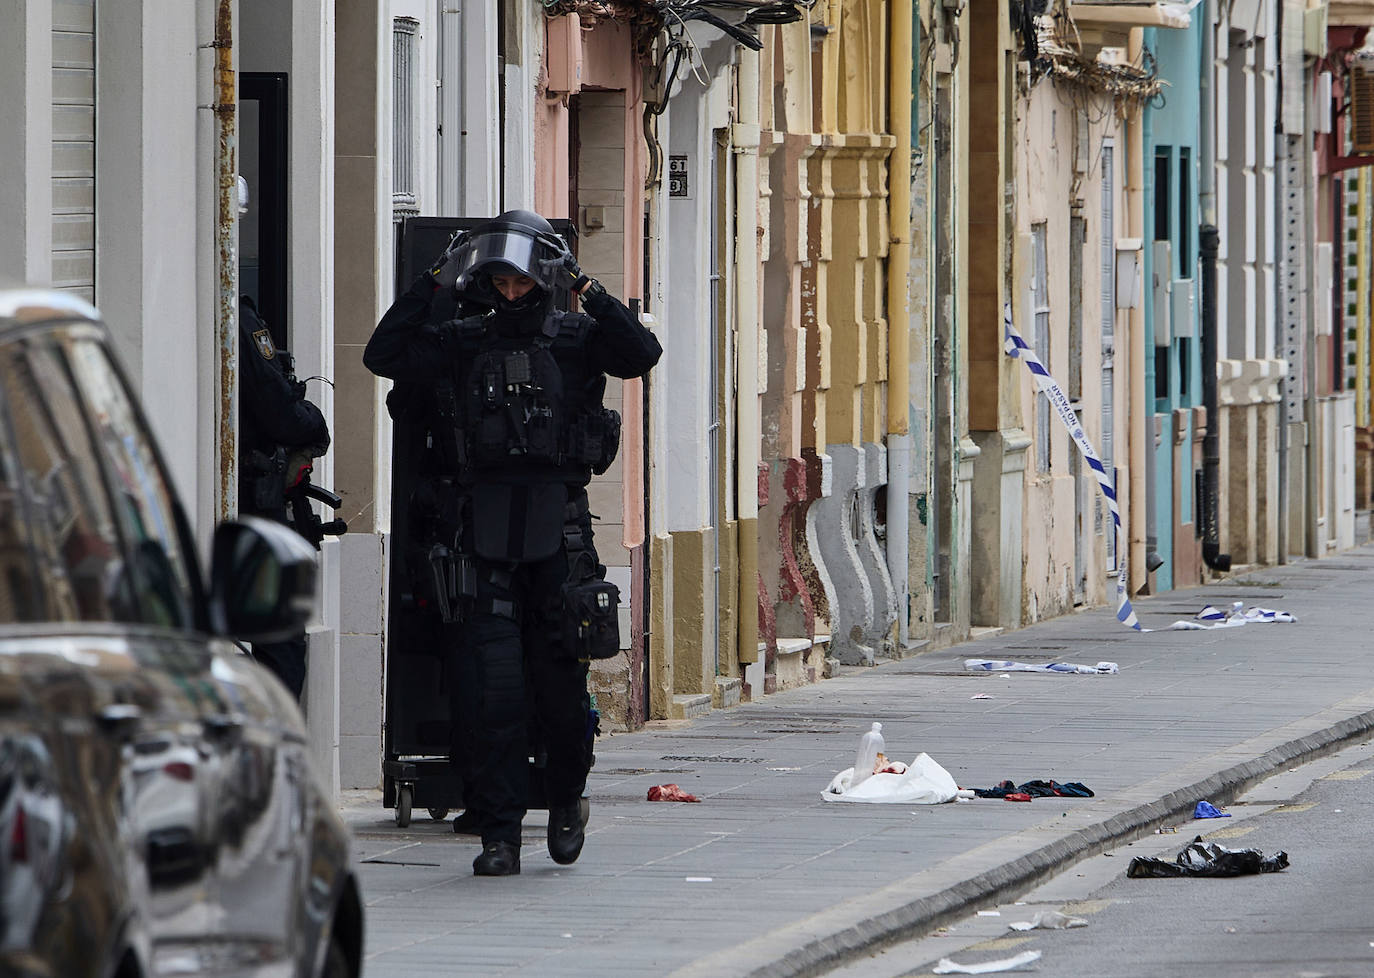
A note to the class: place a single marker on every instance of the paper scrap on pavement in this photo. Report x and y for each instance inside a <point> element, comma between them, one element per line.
<point>948,967</point>
<point>923,783</point>
<point>1049,920</point>
<point>999,665</point>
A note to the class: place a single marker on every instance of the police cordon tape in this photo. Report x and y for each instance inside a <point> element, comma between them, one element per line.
<point>1209,617</point>
<point>1018,348</point>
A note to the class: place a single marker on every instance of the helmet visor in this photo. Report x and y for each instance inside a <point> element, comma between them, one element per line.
<point>508,251</point>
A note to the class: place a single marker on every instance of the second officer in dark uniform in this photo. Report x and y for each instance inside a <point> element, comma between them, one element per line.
<point>279,433</point>
<point>517,397</point>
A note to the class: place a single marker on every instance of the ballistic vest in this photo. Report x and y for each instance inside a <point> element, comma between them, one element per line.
<point>525,409</point>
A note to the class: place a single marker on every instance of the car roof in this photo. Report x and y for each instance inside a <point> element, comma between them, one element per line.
<point>27,306</point>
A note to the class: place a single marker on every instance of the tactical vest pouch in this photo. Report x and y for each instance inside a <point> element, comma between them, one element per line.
<point>515,406</point>
<point>594,439</point>
<point>517,523</point>
<point>591,622</point>
<point>452,582</point>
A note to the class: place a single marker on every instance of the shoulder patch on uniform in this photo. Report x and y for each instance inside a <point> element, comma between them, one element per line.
<point>263,340</point>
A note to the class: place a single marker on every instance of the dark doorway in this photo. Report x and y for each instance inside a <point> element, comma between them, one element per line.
<point>263,155</point>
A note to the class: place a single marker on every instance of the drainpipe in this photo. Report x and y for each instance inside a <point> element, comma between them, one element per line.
<point>1280,168</point>
<point>1315,544</point>
<point>1153,561</point>
<point>226,261</point>
<point>745,140</point>
<point>1208,245</point>
<point>903,82</point>
<point>1138,408</point>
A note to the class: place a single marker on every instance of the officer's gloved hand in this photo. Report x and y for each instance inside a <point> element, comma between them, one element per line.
<point>444,271</point>
<point>578,281</point>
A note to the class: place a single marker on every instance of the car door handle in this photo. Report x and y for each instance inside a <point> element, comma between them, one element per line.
<point>119,719</point>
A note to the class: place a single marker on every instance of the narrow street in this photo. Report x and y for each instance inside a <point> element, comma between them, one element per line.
<point>763,877</point>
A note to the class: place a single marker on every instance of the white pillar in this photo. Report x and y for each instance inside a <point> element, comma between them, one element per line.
<point>26,149</point>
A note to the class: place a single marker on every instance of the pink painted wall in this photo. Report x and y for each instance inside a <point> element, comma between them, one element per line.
<point>608,63</point>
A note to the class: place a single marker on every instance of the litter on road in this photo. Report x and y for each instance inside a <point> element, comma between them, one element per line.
<point>1213,617</point>
<point>1049,920</point>
<point>670,792</point>
<point>948,967</point>
<point>1069,668</point>
<point>1205,809</point>
<point>922,782</point>
<point>1036,789</point>
<point>1208,859</point>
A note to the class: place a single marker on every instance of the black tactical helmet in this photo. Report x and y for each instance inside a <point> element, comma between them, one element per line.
<point>515,243</point>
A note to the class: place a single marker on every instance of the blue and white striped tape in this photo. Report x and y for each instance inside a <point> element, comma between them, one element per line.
<point>1020,349</point>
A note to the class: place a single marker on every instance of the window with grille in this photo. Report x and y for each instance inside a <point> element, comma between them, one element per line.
<point>404,31</point>
<point>1040,306</point>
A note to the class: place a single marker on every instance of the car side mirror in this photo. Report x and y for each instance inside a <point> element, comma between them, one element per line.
<point>262,580</point>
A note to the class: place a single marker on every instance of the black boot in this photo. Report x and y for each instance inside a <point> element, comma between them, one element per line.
<point>497,859</point>
<point>565,832</point>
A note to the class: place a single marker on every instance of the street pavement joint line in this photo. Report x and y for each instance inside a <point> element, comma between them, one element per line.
<point>1231,832</point>
<point>821,941</point>
<point>1344,776</point>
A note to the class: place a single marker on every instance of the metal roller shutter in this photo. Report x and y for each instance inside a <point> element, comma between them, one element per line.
<point>73,146</point>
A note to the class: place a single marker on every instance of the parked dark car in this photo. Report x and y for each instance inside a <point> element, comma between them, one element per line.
<point>158,811</point>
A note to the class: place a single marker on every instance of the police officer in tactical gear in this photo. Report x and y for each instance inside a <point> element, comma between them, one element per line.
<point>279,433</point>
<point>516,405</point>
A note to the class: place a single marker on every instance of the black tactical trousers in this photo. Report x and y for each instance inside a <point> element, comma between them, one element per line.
<point>285,659</point>
<point>518,695</point>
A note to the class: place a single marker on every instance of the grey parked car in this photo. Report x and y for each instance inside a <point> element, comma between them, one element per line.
<point>158,812</point>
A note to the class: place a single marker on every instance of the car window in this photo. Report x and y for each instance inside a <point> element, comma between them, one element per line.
<point>21,598</point>
<point>96,561</point>
<point>142,497</point>
<point>60,513</point>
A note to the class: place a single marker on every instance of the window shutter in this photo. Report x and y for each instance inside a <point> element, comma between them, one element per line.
<point>1362,107</point>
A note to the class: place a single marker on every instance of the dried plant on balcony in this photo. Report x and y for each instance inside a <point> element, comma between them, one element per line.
<point>642,17</point>
<point>1061,60</point>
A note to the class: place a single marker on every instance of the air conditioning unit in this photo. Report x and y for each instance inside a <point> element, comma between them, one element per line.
<point>1184,312</point>
<point>1361,84</point>
<point>1162,287</point>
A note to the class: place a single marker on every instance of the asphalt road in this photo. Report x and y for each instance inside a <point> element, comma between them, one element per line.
<point>1314,920</point>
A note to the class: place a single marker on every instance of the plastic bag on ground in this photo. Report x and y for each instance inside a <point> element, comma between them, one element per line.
<point>1208,859</point>
<point>1205,809</point>
<point>923,783</point>
<point>948,967</point>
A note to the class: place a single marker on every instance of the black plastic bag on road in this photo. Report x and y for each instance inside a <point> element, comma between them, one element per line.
<point>1209,859</point>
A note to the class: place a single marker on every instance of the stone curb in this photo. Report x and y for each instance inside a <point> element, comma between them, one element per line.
<point>814,954</point>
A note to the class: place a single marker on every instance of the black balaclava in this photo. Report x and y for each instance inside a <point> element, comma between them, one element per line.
<point>523,317</point>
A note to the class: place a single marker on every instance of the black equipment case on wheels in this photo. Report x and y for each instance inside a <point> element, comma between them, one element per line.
<point>416,739</point>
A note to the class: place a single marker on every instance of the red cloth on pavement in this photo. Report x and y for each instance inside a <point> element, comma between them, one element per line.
<point>670,792</point>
